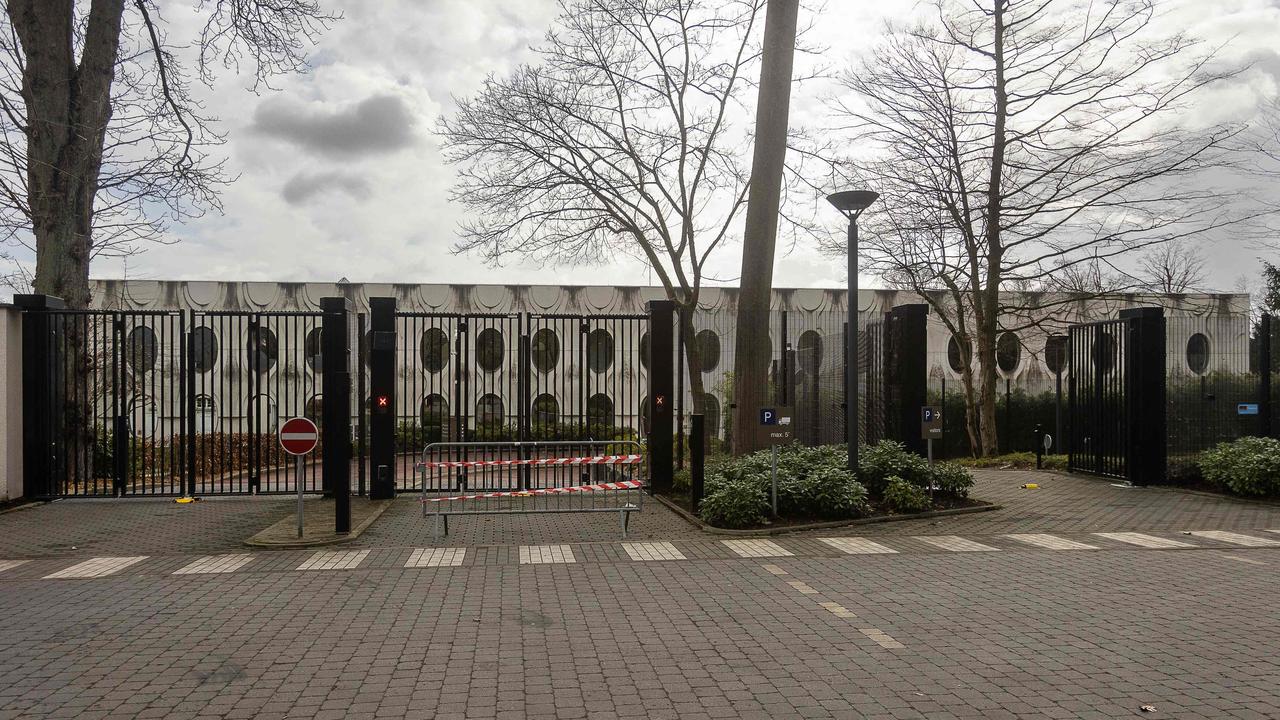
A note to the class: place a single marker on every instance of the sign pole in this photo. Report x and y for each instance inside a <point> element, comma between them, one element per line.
<point>299,483</point>
<point>773,481</point>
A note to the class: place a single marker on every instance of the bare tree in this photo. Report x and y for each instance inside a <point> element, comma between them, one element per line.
<point>1014,140</point>
<point>618,140</point>
<point>1172,268</point>
<point>101,141</point>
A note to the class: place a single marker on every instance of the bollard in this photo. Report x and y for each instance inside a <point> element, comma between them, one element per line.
<point>1039,434</point>
<point>697,456</point>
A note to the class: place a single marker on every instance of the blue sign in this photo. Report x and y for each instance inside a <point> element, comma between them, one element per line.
<point>1247,409</point>
<point>768,416</point>
<point>928,414</point>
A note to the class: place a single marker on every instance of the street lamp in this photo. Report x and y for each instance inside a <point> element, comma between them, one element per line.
<point>851,203</point>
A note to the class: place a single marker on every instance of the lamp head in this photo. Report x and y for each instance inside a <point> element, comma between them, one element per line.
<point>852,202</point>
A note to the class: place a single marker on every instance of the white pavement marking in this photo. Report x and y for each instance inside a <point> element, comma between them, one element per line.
<point>955,543</point>
<point>335,560</point>
<point>97,567</point>
<point>543,554</point>
<point>215,564</point>
<point>1236,538</point>
<point>11,564</point>
<point>1237,558</point>
<point>802,586</point>
<point>1053,542</point>
<point>652,551</point>
<point>882,638</point>
<point>756,548</point>
<point>838,610</point>
<point>436,557</point>
<point>856,546</point>
<point>774,569</point>
<point>1146,541</point>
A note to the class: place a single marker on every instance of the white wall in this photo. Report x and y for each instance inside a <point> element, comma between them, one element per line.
<point>10,403</point>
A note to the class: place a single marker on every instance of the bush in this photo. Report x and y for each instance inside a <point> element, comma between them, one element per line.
<point>889,459</point>
<point>905,497</point>
<point>830,493</point>
<point>735,503</point>
<point>951,479</point>
<point>682,481</point>
<point>1248,466</point>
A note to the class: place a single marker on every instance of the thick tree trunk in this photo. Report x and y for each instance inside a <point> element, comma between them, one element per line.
<point>751,356</point>
<point>68,106</point>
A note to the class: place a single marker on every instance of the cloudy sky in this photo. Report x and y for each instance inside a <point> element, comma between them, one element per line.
<point>340,174</point>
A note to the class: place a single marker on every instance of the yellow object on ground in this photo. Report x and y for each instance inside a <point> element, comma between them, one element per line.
<point>1030,486</point>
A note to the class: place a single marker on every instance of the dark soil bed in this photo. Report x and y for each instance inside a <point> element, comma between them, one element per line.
<point>800,520</point>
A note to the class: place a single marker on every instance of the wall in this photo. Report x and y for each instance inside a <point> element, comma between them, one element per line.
<point>11,403</point>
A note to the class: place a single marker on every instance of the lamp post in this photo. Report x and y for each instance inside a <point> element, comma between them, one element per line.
<point>851,203</point>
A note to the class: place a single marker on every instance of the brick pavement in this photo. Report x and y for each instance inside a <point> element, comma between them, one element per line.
<point>1073,634</point>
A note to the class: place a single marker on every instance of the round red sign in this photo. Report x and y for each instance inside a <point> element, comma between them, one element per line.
<point>298,436</point>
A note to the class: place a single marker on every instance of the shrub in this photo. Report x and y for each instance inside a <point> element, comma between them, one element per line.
<point>888,459</point>
<point>905,497</point>
<point>1248,466</point>
<point>951,479</point>
<point>1016,460</point>
<point>831,493</point>
<point>735,503</point>
<point>681,481</point>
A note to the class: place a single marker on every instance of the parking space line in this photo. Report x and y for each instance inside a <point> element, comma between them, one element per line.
<point>11,564</point>
<point>802,586</point>
<point>1236,538</point>
<point>545,554</point>
<point>1237,558</point>
<point>1146,541</point>
<point>97,567</point>
<point>215,564</point>
<point>882,638</point>
<point>644,551</point>
<point>955,543</point>
<point>838,610</point>
<point>756,548</point>
<point>1052,542</point>
<point>335,560</point>
<point>856,546</point>
<point>436,557</point>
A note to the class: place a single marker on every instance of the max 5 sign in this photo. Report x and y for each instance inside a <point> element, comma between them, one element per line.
<point>775,426</point>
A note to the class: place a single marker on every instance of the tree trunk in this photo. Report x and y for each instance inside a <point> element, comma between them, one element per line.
<point>751,357</point>
<point>68,107</point>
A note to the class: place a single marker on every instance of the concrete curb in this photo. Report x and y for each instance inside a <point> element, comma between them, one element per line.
<point>279,535</point>
<point>693,520</point>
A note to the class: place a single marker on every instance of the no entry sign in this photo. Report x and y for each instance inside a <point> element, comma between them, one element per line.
<point>298,436</point>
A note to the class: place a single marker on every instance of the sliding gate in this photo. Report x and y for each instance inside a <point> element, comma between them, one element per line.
<point>499,379</point>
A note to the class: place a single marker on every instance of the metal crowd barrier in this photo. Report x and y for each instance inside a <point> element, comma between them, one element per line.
<point>524,478</point>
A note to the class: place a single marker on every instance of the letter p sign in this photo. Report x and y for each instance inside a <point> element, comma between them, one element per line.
<point>768,416</point>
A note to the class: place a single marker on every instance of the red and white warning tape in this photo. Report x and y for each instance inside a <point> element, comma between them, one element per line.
<point>623,485</point>
<point>598,460</point>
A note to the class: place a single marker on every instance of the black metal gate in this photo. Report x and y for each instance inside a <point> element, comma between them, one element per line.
<point>513,377</point>
<point>1097,398</point>
<point>1116,397</point>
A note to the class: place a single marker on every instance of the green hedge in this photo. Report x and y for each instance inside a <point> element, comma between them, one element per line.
<point>814,482</point>
<point>1248,466</point>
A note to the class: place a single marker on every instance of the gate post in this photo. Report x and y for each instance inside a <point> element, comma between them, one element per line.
<point>1145,401</point>
<point>908,373</point>
<point>661,385</point>
<point>335,412</point>
<point>1264,370</point>
<point>37,394</point>
<point>382,376</point>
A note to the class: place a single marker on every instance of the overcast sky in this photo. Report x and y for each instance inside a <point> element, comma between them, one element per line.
<point>340,174</point>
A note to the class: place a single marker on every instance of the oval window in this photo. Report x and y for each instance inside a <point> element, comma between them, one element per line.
<point>546,411</point>
<point>1055,353</point>
<point>262,349</point>
<point>545,348</point>
<point>600,409</point>
<point>644,350</point>
<point>142,349</point>
<point>1008,352</point>
<point>708,349</point>
<point>1198,353</point>
<point>434,349</point>
<point>204,349</point>
<point>315,350</point>
<point>599,350</point>
<point>1104,352</point>
<point>489,349</point>
<point>489,410</point>
<point>954,357</point>
<point>809,350</point>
